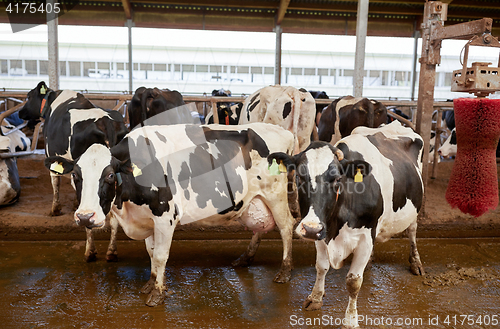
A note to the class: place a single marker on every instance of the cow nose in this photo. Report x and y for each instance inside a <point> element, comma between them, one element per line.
<point>439,152</point>
<point>316,232</point>
<point>85,219</point>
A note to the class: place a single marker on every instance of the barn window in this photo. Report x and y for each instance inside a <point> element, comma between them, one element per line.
<point>256,70</point>
<point>243,69</point>
<point>215,68</point>
<point>268,70</point>
<point>62,68</point>
<point>447,79</point>
<point>187,68</point>
<point>16,64</point>
<point>296,71</point>
<point>120,66</point>
<point>177,67</point>
<point>74,69</point>
<point>322,71</point>
<point>309,71</point>
<point>348,73</point>
<point>88,66</point>
<point>233,69</point>
<point>146,67</point>
<point>202,68</point>
<point>44,68</point>
<point>160,67</point>
<point>30,66</point>
<point>3,66</point>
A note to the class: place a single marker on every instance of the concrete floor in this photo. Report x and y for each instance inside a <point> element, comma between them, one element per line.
<point>49,285</point>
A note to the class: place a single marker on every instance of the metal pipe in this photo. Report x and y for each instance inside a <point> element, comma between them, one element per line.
<point>53,47</point>
<point>130,63</point>
<point>359,57</point>
<point>277,62</point>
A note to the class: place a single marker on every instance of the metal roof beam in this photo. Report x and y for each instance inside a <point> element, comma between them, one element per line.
<point>282,11</point>
<point>127,8</point>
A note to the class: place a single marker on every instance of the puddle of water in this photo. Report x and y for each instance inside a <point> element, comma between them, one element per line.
<point>47,284</point>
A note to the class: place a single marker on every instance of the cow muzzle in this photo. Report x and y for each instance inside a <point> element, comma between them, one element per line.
<point>311,231</point>
<point>85,219</point>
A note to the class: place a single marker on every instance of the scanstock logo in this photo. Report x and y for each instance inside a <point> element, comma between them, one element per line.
<point>203,171</point>
<point>24,14</point>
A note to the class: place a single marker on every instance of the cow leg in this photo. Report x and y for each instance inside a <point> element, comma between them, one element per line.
<point>56,204</point>
<point>162,242</point>
<point>112,254</point>
<point>285,273</point>
<point>90,251</point>
<point>314,301</point>
<point>415,263</point>
<point>247,257</point>
<point>148,287</point>
<point>354,279</point>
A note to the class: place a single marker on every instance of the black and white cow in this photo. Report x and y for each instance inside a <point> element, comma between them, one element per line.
<point>449,147</point>
<point>348,112</point>
<point>229,113</point>
<point>288,107</point>
<point>149,102</point>
<point>10,141</point>
<point>160,176</point>
<point>366,189</point>
<point>72,124</point>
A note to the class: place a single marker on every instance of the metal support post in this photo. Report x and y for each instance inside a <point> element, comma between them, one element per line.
<point>359,57</point>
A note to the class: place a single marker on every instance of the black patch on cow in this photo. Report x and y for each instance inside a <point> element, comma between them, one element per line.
<point>252,105</point>
<point>403,152</point>
<point>171,223</point>
<point>453,139</point>
<point>23,148</point>
<point>238,206</point>
<point>13,177</point>
<point>258,177</point>
<point>161,137</point>
<point>287,109</point>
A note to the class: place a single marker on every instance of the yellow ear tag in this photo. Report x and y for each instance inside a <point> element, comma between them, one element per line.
<point>136,171</point>
<point>43,91</point>
<point>358,178</point>
<point>282,167</point>
<point>274,168</point>
<point>57,167</point>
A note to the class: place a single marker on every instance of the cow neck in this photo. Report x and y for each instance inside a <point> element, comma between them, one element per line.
<point>45,107</point>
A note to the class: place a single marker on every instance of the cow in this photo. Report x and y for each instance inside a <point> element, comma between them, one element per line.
<point>72,124</point>
<point>288,107</point>
<point>160,176</point>
<point>365,189</point>
<point>348,112</point>
<point>149,102</point>
<point>229,113</point>
<point>449,147</point>
<point>10,141</point>
<point>319,107</point>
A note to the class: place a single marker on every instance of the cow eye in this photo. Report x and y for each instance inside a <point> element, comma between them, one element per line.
<point>111,176</point>
<point>73,175</point>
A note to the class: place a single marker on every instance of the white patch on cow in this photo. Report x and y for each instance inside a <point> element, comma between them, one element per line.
<point>6,191</point>
<point>318,161</point>
<point>92,163</point>
<point>448,149</point>
<point>311,220</point>
<point>390,222</point>
<point>63,97</point>
<point>153,187</point>
<point>16,139</point>
<point>345,243</point>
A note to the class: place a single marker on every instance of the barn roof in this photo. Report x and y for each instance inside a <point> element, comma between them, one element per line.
<point>386,17</point>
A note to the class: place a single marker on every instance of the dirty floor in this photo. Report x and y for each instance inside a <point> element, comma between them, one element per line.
<point>49,285</point>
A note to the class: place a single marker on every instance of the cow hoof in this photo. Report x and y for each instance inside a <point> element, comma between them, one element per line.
<point>148,287</point>
<point>91,257</point>
<point>155,298</point>
<point>56,212</point>
<point>243,261</point>
<point>312,305</point>
<point>282,276</point>
<point>417,269</point>
<point>112,257</point>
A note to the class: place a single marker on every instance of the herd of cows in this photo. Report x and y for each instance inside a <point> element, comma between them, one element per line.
<point>339,176</point>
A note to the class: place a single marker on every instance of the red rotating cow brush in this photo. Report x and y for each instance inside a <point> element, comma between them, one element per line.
<point>473,186</point>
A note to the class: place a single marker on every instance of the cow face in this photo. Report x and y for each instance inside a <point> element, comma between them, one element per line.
<point>95,178</point>
<point>32,108</point>
<point>449,148</point>
<point>322,177</point>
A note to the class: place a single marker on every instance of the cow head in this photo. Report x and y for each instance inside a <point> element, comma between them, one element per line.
<point>35,103</point>
<point>449,148</point>
<point>322,175</point>
<point>96,174</point>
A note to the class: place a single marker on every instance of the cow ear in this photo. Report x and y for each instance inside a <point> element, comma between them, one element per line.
<point>42,88</point>
<point>351,168</point>
<point>288,161</point>
<point>59,165</point>
<point>121,154</point>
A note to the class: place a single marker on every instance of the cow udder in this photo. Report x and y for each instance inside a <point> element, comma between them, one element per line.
<point>258,217</point>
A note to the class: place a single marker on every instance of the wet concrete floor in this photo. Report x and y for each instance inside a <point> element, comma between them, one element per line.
<point>49,285</point>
